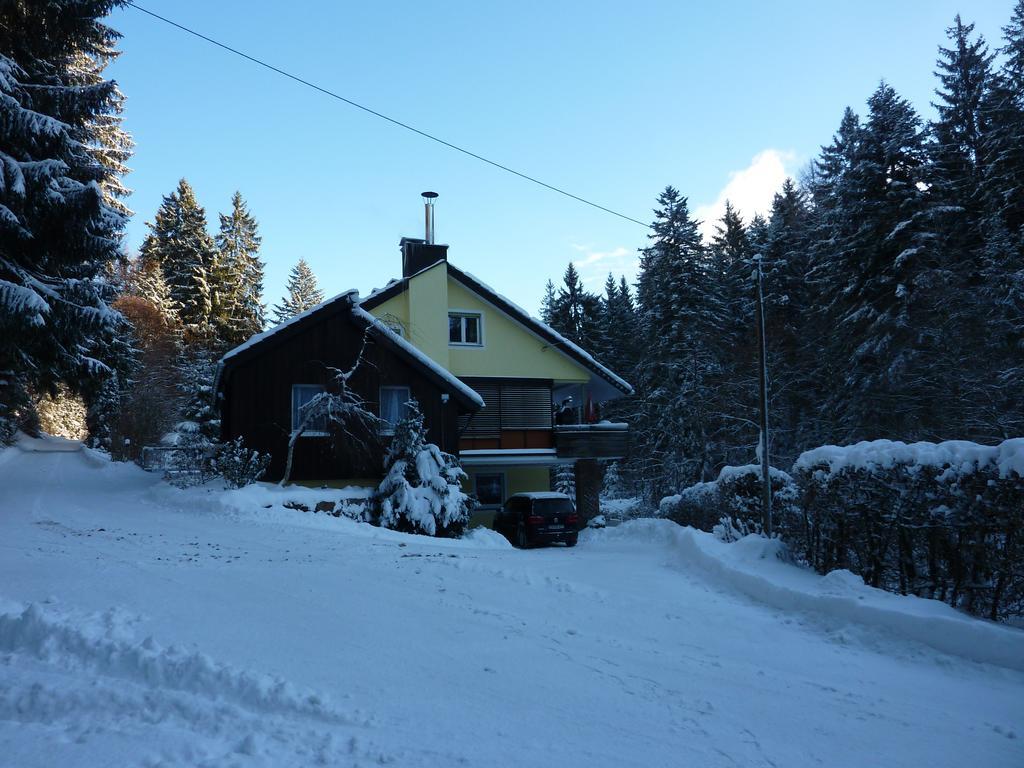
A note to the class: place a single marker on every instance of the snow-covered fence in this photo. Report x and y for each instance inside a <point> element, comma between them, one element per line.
<point>939,520</point>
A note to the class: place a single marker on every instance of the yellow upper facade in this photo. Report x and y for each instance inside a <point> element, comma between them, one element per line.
<point>506,348</point>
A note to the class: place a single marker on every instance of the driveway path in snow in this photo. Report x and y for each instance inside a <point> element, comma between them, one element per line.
<point>140,625</point>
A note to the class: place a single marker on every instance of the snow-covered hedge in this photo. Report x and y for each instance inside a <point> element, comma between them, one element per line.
<point>732,502</point>
<point>938,520</point>
<point>941,520</point>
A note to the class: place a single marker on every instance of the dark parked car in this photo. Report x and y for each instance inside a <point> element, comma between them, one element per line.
<point>528,519</point>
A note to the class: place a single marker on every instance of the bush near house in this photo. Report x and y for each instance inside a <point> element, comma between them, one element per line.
<point>422,489</point>
<point>936,520</point>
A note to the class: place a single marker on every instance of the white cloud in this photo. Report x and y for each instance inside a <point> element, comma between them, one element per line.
<point>594,265</point>
<point>751,190</point>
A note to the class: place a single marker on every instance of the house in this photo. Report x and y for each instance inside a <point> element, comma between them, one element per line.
<point>488,377</point>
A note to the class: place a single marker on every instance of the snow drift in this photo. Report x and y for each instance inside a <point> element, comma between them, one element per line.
<point>755,566</point>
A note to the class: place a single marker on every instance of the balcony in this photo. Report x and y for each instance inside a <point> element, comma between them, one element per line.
<point>603,440</point>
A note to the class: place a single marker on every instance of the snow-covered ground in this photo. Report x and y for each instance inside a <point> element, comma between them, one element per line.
<point>143,625</point>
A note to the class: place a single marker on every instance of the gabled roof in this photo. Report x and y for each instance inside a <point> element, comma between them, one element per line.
<point>517,313</point>
<point>347,304</point>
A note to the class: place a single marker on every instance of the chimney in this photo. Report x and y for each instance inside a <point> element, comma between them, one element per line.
<point>418,254</point>
<point>428,211</point>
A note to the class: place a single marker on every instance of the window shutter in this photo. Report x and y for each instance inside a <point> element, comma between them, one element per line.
<point>487,421</point>
<point>508,405</point>
<point>525,407</point>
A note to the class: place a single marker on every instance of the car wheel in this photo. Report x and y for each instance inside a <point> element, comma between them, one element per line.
<point>571,541</point>
<point>521,541</point>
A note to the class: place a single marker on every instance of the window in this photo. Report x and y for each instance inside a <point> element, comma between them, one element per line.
<point>393,407</point>
<point>490,489</point>
<point>465,328</point>
<point>302,394</point>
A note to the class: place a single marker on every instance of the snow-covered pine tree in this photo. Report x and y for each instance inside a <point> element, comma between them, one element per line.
<point>422,487</point>
<point>680,314</point>
<point>179,243</point>
<point>957,169</point>
<point>791,332</point>
<point>238,295</point>
<point>731,254</point>
<point>1002,138</point>
<point>564,480</point>
<point>145,279</point>
<point>875,261</point>
<point>303,293</point>
<point>61,222</point>
<point>1001,261</point>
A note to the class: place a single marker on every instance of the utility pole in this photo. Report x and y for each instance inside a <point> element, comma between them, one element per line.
<point>766,482</point>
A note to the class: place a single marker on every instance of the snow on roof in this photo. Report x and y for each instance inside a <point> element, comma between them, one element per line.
<point>443,373</point>
<point>957,455</point>
<point>562,341</point>
<point>259,337</point>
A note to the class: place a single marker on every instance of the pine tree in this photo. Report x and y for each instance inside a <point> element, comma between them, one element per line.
<point>238,299</point>
<point>547,303</point>
<point>875,265</point>
<point>179,243</point>
<point>62,157</point>
<point>680,314</point>
<point>145,280</point>
<point>1002,131</point>
<point>735,382</point>
<point>421,491</point>
<point>303,293</point>
<point>575,312</point>
<point>964,74</point>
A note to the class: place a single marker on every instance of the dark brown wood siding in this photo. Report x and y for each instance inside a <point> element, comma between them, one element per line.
<point>257,392</point>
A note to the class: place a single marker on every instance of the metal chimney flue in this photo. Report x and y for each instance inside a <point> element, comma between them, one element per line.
<point>428,213</point>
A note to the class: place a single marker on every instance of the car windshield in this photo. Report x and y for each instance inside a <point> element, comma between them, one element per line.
<point>551,506</point>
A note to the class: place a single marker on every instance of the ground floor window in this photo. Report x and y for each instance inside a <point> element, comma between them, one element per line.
<point>302,394</point>
<point>393,407</point>
<point>490,488</point>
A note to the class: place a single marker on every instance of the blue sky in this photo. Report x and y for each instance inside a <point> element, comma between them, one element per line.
<point>611,101</point>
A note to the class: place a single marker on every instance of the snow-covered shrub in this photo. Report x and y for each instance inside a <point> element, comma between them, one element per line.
<point>939,520</point>
<point>564,480</point>
<point>422,489</point>
<point>734,497</point>
<point>238,465</point>
<point>62,414</point>
<point>188,456</point>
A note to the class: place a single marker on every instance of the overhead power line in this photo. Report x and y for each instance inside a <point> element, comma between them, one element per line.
<point>375,113</point>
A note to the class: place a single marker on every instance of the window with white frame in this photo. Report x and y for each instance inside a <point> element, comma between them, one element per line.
<point>302,395</point>
<point>465,329</point>
<point>394,405</point>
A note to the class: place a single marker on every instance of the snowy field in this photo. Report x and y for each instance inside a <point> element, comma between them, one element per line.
<point>142,625</point>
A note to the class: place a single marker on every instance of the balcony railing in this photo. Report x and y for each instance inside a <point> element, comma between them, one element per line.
<point>603,440</point>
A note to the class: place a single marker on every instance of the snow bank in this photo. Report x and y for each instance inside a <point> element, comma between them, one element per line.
<point>485,538</point>
<point>959,456</point>
<point>39,633</point>
<point>755,567</point>
<point>47,444</point>
<point>274,495</point>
